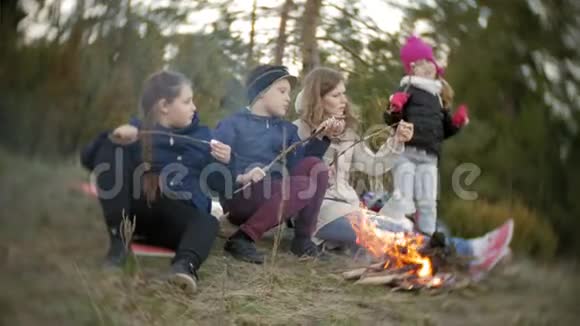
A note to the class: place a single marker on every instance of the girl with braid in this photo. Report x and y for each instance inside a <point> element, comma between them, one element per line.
<point>157,180</point>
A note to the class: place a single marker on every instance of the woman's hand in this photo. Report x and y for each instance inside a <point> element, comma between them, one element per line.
<point>333,127</point>
<point>124,135</point>
<point>220,151</point>
<point>404,132</point>
<point>254,175</point>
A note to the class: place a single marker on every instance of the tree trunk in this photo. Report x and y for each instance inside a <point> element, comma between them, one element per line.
<point>10,15</point>
<point>310,56</point>
<point>250,59</point>
<point>281,41</point>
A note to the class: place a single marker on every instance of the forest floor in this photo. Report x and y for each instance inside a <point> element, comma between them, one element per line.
<point>52,242</point>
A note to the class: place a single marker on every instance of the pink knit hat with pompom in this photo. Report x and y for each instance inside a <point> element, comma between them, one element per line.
<point>414,50</point>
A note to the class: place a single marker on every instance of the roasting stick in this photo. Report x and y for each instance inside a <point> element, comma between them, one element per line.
<point>288,150</point>
<point>170,134</point>
<point>363,139</point>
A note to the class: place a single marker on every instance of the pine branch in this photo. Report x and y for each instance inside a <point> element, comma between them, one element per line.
<point>367,22</point>
<point>346,48</point>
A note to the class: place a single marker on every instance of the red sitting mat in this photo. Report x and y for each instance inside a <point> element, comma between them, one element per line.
<point>86,188</point>
<point>151,251</point>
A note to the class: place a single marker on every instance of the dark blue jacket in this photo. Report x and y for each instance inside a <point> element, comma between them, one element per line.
<point>178,161</point>
<point>257,140</point>
<point>186,158</point>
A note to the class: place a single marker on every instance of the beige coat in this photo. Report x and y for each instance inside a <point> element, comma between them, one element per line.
<point>341,199</point>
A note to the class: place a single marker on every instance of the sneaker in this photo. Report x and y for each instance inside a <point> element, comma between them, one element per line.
<point>183,275</point>
<point>481,267</point>
<point>506,256</point>
<point>491,249</point>
<point>244,250</point>
<point>118,253</point>
<point>305,248</point>
<point>496,240</point>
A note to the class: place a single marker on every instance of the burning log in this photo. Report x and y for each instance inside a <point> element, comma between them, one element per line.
<point>405,278</point>
<point>357,273</point>
<point>377,275</point>
<point>401,279</point>
<point>384,272</point>
<point>407,285</point>
<point>381,280</point>
<point>409,261</point>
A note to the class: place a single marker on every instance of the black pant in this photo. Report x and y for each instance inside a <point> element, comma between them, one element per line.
<point>166,222</point>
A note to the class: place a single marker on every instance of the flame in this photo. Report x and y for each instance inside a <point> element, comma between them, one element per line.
<point>402,249</point>
<point>436,282</point>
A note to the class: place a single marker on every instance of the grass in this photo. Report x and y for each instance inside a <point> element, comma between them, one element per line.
<point>52,241</point>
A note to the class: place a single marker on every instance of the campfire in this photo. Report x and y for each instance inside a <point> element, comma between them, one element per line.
<point>406,260</point>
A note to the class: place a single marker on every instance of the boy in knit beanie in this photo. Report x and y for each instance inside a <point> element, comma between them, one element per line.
<point>257,135</point>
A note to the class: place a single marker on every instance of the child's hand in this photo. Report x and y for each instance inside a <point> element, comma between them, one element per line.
<point>461,116</point>
<point>397,101</point>
<point>124,135</point>
<point>220,151</point>
<point>254,175</point>
<point>405,131</point>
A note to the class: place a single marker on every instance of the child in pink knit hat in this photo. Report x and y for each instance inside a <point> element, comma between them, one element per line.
<point>424,99</point>
<point>416,50</point>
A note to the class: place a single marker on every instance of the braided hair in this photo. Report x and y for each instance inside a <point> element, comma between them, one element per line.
<point>162,85</point>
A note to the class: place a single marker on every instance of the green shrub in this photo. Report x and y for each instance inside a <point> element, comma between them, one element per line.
<point>533,235</point>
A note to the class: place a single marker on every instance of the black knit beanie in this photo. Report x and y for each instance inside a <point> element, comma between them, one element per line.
<point>262,77</point>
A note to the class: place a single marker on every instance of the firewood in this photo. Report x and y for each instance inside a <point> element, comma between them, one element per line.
<point>376,267</point>
<point>402,270</point>
<point>404,287</point>
<point>412,285</point>
<point>357,273</point>
<point>408,285</point>
<point>380,273</point>
<point>406,268</point>
<point>380,280</point>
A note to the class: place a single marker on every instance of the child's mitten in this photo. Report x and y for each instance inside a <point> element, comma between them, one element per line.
<point>397,101</point>
<point>461,116</point>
